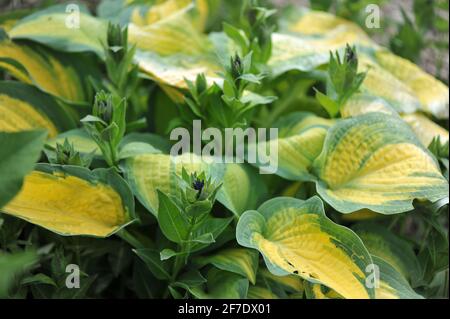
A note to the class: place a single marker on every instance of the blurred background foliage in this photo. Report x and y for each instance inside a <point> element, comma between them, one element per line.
<point>413,29</point>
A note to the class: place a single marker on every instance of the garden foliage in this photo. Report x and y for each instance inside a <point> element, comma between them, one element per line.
<point>87,104</point>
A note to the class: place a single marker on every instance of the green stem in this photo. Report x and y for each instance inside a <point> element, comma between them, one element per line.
<point>185,249</point>
<point>178,264</point>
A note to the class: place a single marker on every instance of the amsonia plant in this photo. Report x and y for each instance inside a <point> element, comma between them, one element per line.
<point>90,100</point>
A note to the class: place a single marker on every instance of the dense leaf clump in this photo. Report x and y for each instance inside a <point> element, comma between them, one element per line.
<point>99,197</point>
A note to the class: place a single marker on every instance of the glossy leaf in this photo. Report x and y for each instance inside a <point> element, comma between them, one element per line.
<point>296,237</point>
<point>397,252</point>
<point>374,161</point>
<point>23,107</point>
<point>425,129</point>
<point>53,73</point>
<point>71,200</point>
<point>300,140</point>
<point>392,285</point>
<point>308,37</point>
<point>64,28</point>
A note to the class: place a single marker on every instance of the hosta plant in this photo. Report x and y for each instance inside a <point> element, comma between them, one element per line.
<point>92,101</point>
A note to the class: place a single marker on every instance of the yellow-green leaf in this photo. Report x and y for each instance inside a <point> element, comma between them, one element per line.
<point>53,73</point>
<point>305,42</point>
<point>307,39</point>
<point>382,84</point>
<point>241,188</point>
<point>63,29</point>
<point>383,243</point>
<point>194,10</point>
<point>300,140</point>
<point>388,283</point>
<point>71,200</point>
<point>23,107</point>
<point>425,128</point>
<point>432,94</point>
<point>391,284</point>
<point>374,161</point>
<point>173,50</point>
<point>362,103</point>
<point>296,237</point>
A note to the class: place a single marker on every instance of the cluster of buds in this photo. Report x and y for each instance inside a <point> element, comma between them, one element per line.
<point>343,80</point>
<point>198,193</point>
<point>121,70</point>
<point>65,154</point>
<point>344,74</point>
<point>117,40</point>
<point>261,28</point>
<point>107,124</point>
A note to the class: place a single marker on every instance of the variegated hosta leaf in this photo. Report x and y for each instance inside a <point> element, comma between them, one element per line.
<point>241,188</point>
<point>52,72</point>
<point>403,85</point>
<point>71,200</point>
<point>292,52</point>
<point>391,284</point>
<point>194,10</point>
<point>323,24</point>
<point>241,261</point>
<point>397,252</point>
<point>64,28</point>
<point>172,50</point>
<point>374,161</point>
<point>173,70</point>
<point>364,102</point>
<point>296,237</point>
<point>308,38</point>
<point>432,94</point>
<point>169,36</point>
<point>300,140</point>
<point>170,61</point>
<point>388,283</point>
<point>23,107</point>
<point>306,42</point>
<point>425,128</point>
<point>382,84</point>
